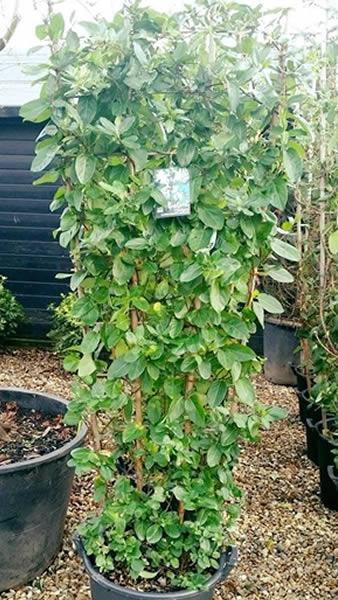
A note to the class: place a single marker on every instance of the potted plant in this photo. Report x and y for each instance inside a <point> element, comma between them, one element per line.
<point>35,482</point>
<point>167,216</point>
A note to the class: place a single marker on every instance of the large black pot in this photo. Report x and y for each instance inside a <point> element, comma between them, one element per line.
<point>280,343</point>
<point>313,414</point>
<point>34,497</point>
<point>103,589</point>
<point>328,489</point>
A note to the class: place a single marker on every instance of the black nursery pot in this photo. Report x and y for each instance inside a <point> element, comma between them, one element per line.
<point>280,343</point>
<point>103,589</point>
<point>312,414</point>
<point>328,481</point>
<point>34,496</point>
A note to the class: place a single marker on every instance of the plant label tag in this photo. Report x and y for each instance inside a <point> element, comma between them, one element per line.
<point>174,185</point>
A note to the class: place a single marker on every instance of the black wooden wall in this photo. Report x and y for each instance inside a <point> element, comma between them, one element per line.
<point>29,256</point>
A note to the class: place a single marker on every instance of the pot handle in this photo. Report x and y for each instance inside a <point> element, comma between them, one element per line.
<point>230,560</point>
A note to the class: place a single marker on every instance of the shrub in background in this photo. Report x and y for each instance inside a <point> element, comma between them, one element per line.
<point>11,311</point>
<point>66,329</point>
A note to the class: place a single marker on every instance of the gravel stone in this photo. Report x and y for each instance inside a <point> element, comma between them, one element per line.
<point>287,539</point>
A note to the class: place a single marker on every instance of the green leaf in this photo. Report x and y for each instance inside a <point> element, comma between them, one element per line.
<point>176,409</point>
<point>213,456</point>
<point>137,244</point>
<point>234,96</point>
<point>85,167</point>
<point>56,26</point>
<point>132,432</point>
<point>191,273</point>
<point>245,391</point>
<point>217,392</point>
<point>204,368</point>
<point>35,110</point>
<point>285,250</point>
<point>87,107</point>
<point>279,194</point>
<point>270,304</point>
<point>122,272</point>
<point>153,534</point>
<point>333,242</point>
<point>46,151</point>
<point>211,216</point>
<point>49,177</point>
<point>70,362</point>
<point>118,368</point>
<point>173,530</point>
<point>139,158</point>
<point>90,342</point>
<point>195,410</point>
<point>293,164</point>
<point>259,312</point>
<point>235,327</point>
<point>86,366</point>
<point>216,297</point>
<point>234,353</point>
<point>277,413</point>
<point>280,274</point>
<point>186,152</point>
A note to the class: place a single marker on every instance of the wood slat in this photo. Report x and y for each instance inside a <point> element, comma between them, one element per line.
<point>38,289</point>
<point>32,248</point>
<point>28,219</point>
<point>12,190</point>
<point>25,205</point>
<point>30,234</point>
<point>57,264</point>
<point>41,275</point>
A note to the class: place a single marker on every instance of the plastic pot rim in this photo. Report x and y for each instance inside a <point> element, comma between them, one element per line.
<point>31,463</point>
<point>228,560</point>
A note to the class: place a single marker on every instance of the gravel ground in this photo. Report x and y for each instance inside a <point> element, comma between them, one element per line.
<point>288,542</point>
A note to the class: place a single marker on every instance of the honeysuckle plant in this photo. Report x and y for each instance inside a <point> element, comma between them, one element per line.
<point>167,305</point>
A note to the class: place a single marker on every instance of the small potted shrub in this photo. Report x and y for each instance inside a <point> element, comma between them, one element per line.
<point>166,202</point>
<point>11,312</point>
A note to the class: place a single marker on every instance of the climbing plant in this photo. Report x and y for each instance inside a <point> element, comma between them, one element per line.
<point>164,372</point>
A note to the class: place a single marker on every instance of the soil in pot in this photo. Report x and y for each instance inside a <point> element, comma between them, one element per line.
<point>326,445</point>
<point>103,588</point>
<point>34,491</point>
<point>28,433</point>
<point>280,344</point>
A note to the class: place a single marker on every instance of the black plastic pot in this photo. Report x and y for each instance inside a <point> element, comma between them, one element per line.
<point>312,442</point>
<point>328,489</point>
<point>103,589</point>
<point>280,343</point>
<point>34,497</point>
<point>304,404</point>
<point>333,475</point>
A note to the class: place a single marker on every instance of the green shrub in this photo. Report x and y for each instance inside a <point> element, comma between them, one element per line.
<point>66,330</point>
<point>11,311</point>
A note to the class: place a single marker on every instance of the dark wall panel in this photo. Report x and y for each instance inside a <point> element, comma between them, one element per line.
<point>29,255</point>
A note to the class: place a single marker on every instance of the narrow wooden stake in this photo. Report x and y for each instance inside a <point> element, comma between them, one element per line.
<point>322,180</point>
<point>137,393</point>
<point>189,384</point>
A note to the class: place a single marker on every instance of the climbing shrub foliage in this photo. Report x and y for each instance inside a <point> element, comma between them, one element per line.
<point>167,305</point>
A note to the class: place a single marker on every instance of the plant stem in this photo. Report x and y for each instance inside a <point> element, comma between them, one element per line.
<point>137,393</point>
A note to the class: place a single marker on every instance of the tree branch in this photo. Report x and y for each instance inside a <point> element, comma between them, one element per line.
<point>11,27</point>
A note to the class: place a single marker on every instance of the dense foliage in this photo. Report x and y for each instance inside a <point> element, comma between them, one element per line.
<point>317,212</point>
<point>66,330</point>
<point>169,303</point>
<point>11,311</point>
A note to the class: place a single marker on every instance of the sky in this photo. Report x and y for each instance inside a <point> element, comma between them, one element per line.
<point>25,34</point>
